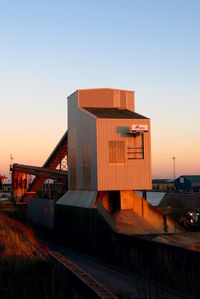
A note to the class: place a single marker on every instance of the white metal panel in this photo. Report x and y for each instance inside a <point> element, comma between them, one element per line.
<point>81,135</point>
<point>77,198</point>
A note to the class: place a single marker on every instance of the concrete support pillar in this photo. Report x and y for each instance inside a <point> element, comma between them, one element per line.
<point>127,199</point>
<point>144,194</point>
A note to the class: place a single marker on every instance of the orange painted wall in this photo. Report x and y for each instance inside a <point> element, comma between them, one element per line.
<point>131,175</point>
<point>131,200</point>
<point>106,98</point>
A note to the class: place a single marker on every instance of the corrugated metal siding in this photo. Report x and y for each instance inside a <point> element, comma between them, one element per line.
<point>89,146</point>
<point>76,198</point>
<point>82,147</point>
<point>107,97</point>
<point>133,174</point>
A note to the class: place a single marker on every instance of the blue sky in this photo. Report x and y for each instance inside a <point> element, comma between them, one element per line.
<point>51,48</point>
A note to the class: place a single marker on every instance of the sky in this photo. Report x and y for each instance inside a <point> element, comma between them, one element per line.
<point>49,49</point>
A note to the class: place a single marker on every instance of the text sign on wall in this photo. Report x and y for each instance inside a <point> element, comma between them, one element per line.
<point>139,128</point>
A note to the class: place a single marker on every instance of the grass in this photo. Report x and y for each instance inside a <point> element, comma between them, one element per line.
<point>23,270</point>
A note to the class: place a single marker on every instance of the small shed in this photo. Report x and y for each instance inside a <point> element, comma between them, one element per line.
<point>188,183</point>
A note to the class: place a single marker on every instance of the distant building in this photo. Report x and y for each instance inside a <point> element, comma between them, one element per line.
<point>188,183</point>
<point>3,179</point>
<point>6,187</point>
<point>162,185</point>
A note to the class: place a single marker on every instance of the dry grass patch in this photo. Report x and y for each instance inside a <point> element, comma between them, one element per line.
<point>17,240</point>
<point>23,271</point>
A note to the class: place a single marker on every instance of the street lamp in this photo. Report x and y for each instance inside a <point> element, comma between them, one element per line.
<point>174,167</point>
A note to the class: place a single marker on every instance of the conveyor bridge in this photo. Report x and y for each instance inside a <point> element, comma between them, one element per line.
<point>55,168</point>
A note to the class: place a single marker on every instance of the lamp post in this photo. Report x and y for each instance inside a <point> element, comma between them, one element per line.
<point>174,167</point>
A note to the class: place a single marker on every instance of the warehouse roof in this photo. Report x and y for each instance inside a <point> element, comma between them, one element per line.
<point>114,113</point>
<point>192,178</point>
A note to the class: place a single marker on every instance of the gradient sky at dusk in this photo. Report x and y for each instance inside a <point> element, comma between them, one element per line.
<point>48,49</point>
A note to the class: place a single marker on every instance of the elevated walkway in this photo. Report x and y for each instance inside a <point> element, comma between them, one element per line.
<point>40,171</point>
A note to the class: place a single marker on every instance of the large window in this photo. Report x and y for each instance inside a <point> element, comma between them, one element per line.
<point>116,152</point>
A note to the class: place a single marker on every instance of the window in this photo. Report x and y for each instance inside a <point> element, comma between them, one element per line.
<point>116,152</point>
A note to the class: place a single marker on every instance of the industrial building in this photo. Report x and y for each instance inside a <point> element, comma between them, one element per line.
<point>187,183</point>
<point>163,185</point>
<point>104,158</point>
<point>109,158</point>
<point>109,143</point>
<point>100,162</point>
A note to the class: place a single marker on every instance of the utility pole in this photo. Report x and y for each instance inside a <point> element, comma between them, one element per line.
<point>11,159</point>
<point>11,164</point>
<point>174,167</point>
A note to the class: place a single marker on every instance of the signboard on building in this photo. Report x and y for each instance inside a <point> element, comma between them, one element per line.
<point>139,128</point>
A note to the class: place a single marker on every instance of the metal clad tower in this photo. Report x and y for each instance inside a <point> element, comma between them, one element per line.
<point>105,153</point>
<point>109,158</point>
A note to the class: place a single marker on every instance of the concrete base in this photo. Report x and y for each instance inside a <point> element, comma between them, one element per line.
<point>135,215</point>
<point>124,211</point>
